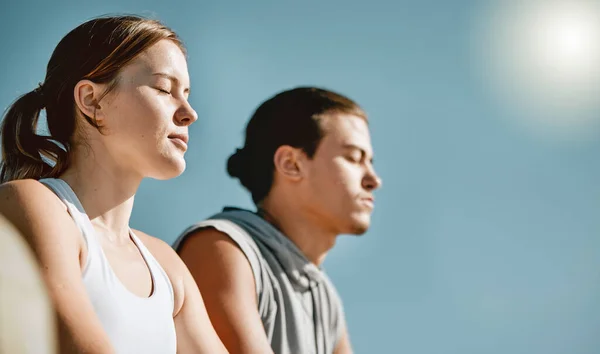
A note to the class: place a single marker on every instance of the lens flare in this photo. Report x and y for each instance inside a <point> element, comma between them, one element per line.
<point>543,58</point>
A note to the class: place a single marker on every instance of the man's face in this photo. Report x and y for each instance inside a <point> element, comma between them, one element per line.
<point>339,180</point>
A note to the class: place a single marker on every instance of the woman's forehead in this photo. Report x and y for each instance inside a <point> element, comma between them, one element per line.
<point>164,57</point>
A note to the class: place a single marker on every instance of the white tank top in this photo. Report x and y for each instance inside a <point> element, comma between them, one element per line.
<point>134,324</point>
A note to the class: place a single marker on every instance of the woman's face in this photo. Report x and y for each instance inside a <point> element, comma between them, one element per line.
<point>147,115</point>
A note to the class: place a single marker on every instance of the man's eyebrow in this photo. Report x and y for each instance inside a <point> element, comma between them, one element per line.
<point>172,78</point>
<point>363,152</point>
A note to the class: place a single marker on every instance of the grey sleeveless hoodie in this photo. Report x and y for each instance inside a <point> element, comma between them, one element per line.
<point>299,307</point>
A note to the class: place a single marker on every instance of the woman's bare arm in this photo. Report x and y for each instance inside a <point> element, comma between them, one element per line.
<point>57,244</point>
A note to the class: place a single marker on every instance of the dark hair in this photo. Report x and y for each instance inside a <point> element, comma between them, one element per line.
<point>289,118</point>
<point>96,50</point>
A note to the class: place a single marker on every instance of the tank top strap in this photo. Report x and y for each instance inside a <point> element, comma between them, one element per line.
<point>75,209</point>
<point>160,278</point>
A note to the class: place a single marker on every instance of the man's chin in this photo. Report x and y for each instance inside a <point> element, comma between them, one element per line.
<point>360,226</point>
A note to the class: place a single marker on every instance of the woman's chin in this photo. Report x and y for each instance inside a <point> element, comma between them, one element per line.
<point>170,170</point>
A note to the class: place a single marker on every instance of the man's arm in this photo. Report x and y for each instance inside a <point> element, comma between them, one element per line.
<point>225,279</point>
<point>343,345</point>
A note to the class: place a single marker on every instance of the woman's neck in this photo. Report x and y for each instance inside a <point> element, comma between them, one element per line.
<point>105,191</point>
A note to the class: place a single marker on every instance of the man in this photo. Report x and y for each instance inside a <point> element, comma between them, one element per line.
<point>307,161</point>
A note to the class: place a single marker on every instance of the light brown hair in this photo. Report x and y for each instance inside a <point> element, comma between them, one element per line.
<point>96,50</point>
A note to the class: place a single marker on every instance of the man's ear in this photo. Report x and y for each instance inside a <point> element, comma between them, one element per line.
<point>288,162</point>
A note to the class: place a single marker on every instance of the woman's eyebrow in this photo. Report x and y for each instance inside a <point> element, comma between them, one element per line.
<point>172,78</point>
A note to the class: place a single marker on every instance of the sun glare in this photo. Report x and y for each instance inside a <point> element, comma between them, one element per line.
<point>543,56</point>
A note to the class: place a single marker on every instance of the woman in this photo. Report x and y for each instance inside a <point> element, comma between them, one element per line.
<point>116,101</point>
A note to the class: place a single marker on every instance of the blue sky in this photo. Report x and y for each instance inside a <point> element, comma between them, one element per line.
<point>485,237</point>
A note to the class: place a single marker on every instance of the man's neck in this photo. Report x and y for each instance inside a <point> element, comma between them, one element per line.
<point>306,232</point>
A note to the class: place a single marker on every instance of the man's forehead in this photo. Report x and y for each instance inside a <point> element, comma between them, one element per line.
<point>345,125</point>
<point>347,131</point>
